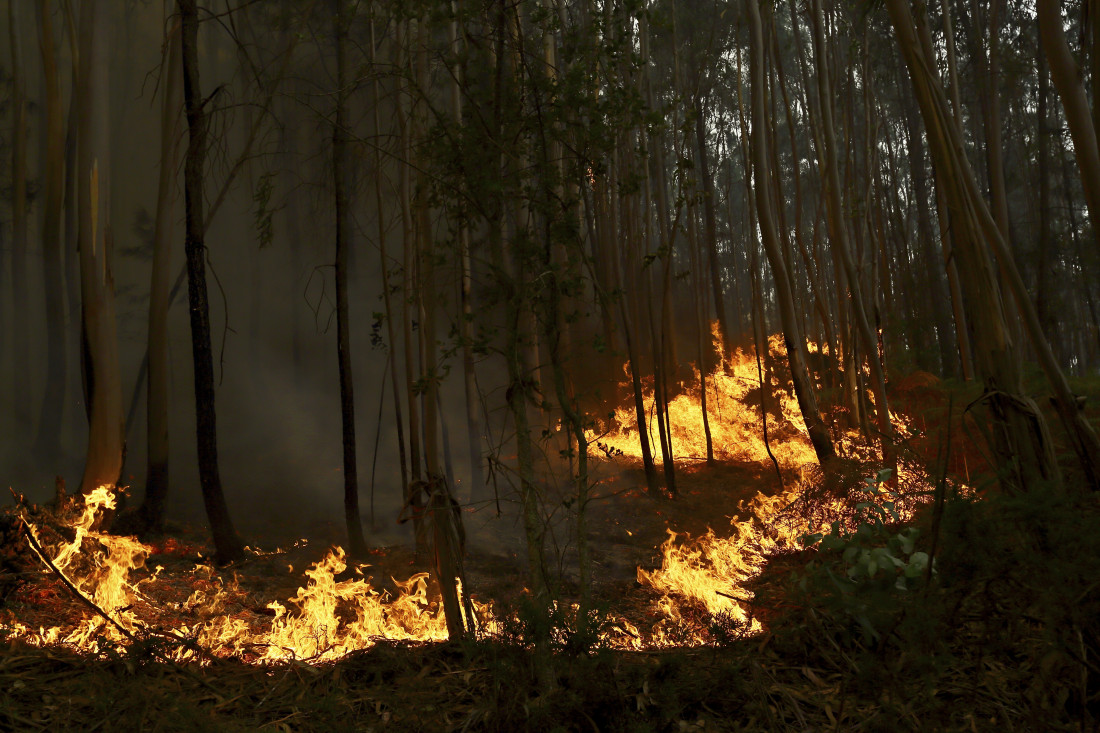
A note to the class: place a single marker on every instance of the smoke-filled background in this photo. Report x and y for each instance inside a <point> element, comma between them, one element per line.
<point>270,276</point>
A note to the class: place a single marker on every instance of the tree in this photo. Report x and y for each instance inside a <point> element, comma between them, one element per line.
<point>157,481</point>
<point>792,335</point>
<point>357,545</point>
<point>102,382</point>
<point>227,545</point>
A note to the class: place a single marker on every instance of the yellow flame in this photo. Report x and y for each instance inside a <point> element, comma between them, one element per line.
<point>325,620</point>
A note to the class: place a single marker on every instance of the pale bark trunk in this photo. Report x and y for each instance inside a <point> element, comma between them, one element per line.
<point>103,462</point>
<point>157,475</point>
<point>1022,441</point>
<point>796,347</point>
<point>1066,76</point>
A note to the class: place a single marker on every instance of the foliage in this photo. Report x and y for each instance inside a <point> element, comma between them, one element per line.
<point>1013,606</point>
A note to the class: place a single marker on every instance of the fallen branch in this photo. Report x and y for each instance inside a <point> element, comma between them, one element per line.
<point>37,547</point>
<point>41,553</point>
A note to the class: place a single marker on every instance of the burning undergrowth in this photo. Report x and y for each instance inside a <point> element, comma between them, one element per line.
<point>106,596</point>
<point>121,592</point>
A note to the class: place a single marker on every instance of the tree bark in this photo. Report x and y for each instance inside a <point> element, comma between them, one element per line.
<point>792,336</point>
<point>20,333</point>
<point>51,415</point>
<point>103,461</point>
<point>357,545</point>
<point>156,476</point>
<point>1066,76</point>
<point>227,545</point>
<point>838,234</point>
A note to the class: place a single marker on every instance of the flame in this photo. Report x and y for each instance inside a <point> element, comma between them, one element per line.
<point>325,620</point>
<point>328,618</point>
<point>711,571</point>
<point>734,416</point>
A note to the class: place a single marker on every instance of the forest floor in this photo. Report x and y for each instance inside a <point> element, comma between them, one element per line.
<point>1005,637</point>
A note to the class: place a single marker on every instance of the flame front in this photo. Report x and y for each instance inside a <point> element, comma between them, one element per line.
<point>325,620</point>
<point>734,417</point>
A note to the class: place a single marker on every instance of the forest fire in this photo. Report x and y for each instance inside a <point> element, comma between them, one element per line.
<point>332,615</point>
<point>327,619</point>
<point>712,570</point>
<point>735,418</point>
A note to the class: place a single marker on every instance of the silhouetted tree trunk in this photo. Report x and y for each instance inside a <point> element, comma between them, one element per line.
<point>711,223</point>
<point>226,543</point>
<point>357,545</point>
<point>387,293</point>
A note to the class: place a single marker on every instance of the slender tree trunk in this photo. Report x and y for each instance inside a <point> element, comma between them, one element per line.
<point>1043,268</point>
<point>715,265</point>
<point>838,231</point>
<point>413,499</point>
<point>106,441</point>
<point>796,347</point>
<point>20,333</point>
<point>1066,76</point>
<point>157,476</point>
<point>387,291</point>
<point>52,413</point>
<point>227,545</point>
<point>466,320</point>
<point>1021,441</point>
<point>71,248</point>
<point>357,545</point>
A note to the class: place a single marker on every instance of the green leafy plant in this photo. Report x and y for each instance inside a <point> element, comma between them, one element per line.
<point>862,567</point>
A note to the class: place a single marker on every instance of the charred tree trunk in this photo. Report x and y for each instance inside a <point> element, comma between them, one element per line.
<point>357,545</point>
<point>227,545</point>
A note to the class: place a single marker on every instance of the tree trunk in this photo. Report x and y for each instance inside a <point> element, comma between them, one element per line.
<point>357,545</point>
<point>387,297</point>
<point>1021,440</point>
<point>715,265</point>
<point>796,347</point>
<point>226,543</point>
<point>466,320</point>
<point>103,462</point>
<point>157,476</point>
<point>20,333</point>
<point>1067,80</point>
<point>53,402</point>
<point>838,234</point>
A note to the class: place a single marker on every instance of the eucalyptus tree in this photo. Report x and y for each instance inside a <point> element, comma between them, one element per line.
<point>102,379</point>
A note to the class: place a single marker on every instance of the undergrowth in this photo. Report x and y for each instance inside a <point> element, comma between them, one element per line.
<point>1002,630</point>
